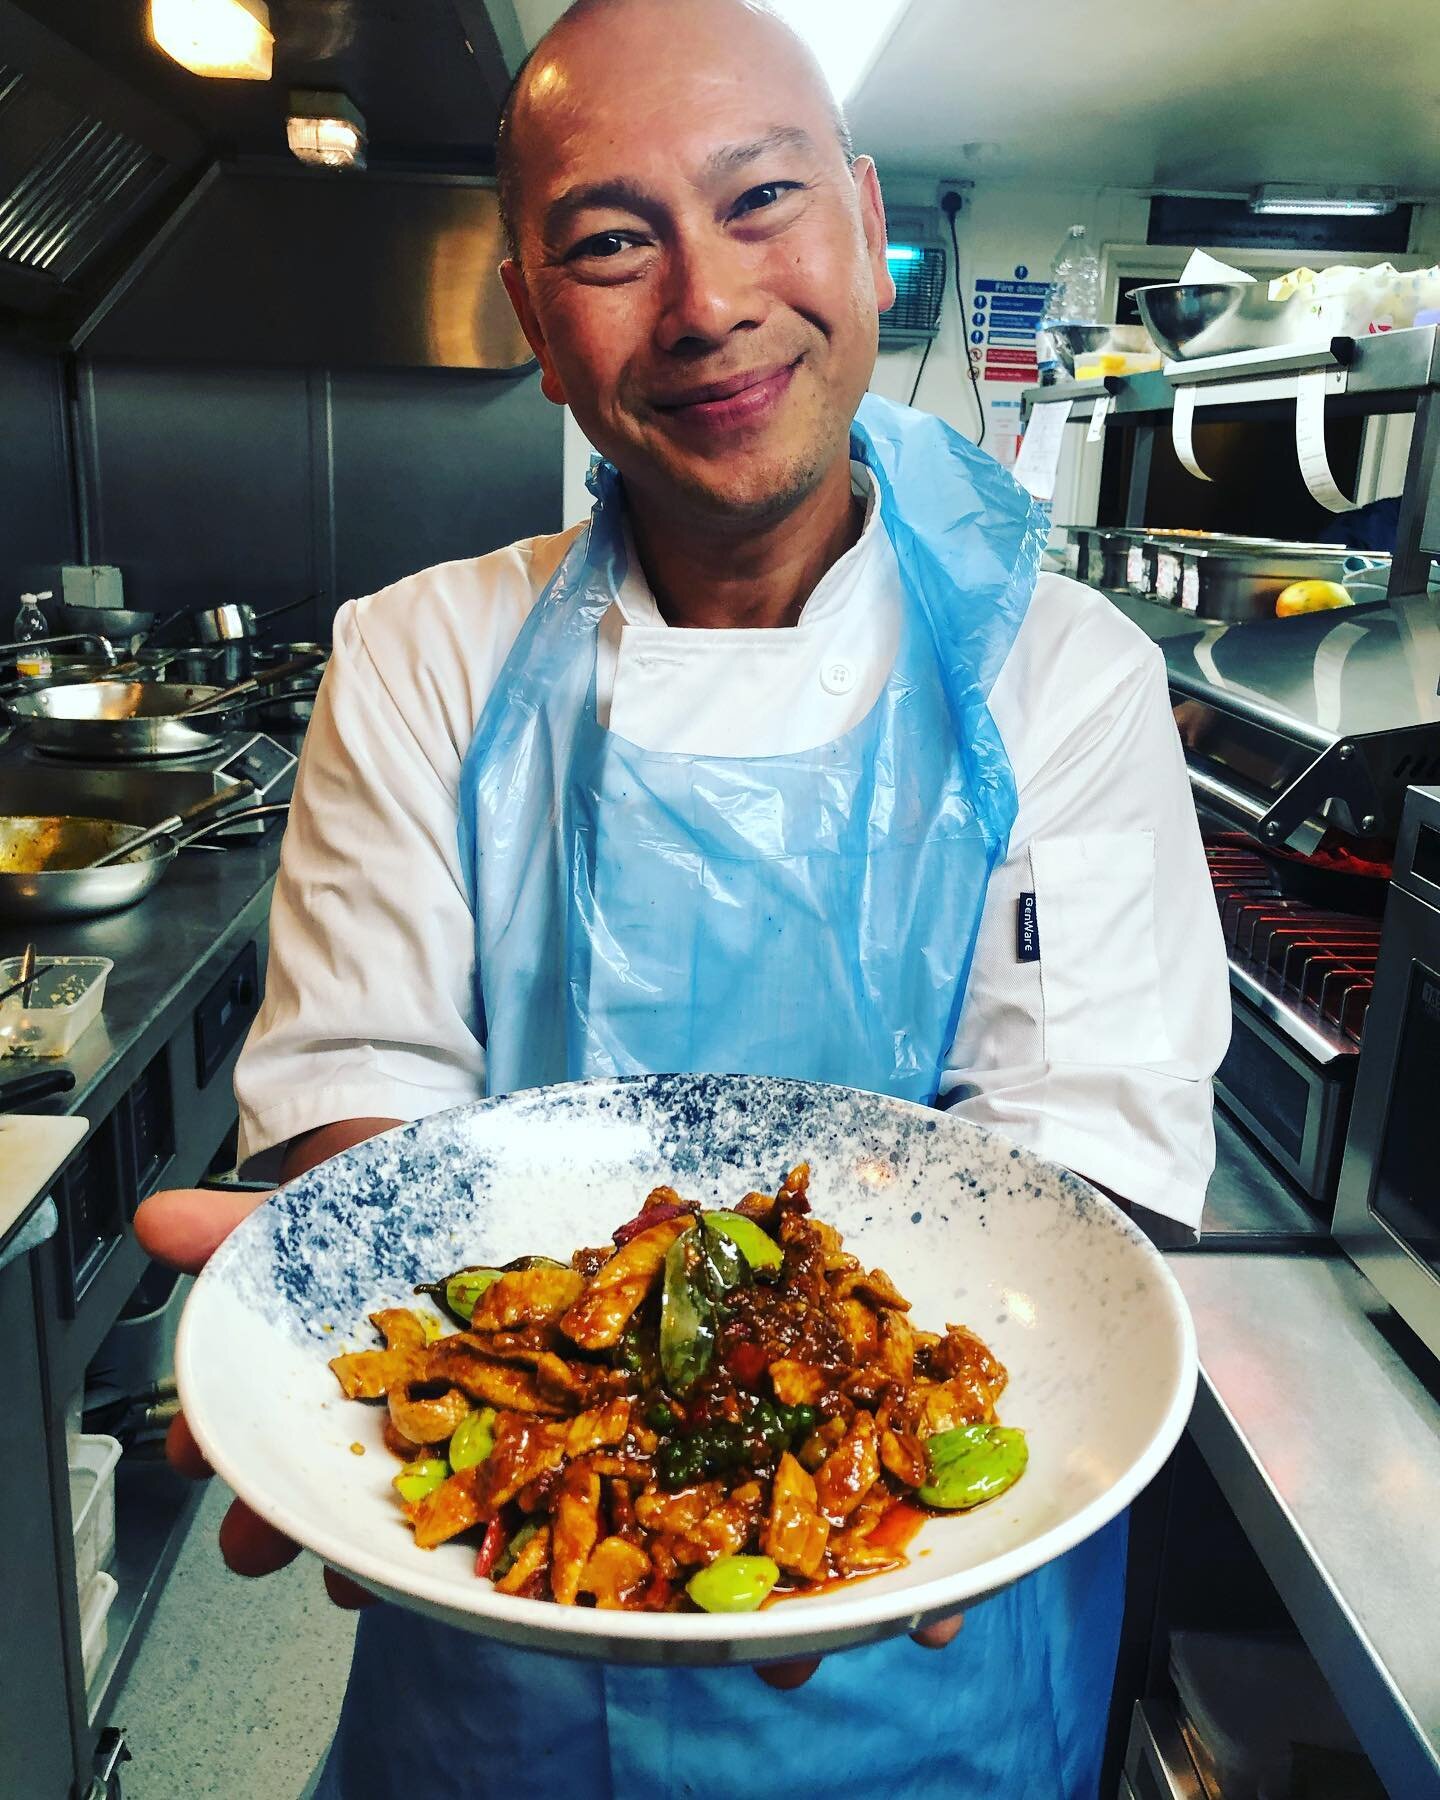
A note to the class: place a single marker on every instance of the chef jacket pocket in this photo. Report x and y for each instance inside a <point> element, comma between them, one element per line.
<point>1099,969</point>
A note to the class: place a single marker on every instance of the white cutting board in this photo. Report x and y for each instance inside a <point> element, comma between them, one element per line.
<point>31,1150</point>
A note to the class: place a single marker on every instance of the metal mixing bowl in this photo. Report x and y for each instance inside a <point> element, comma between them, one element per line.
<point>1216,318</point>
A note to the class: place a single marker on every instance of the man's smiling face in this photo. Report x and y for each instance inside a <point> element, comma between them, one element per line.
<point>700,269</point>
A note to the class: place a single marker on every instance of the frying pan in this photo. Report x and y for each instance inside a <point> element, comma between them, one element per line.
<point>135,720</point>
<point>42,860</point>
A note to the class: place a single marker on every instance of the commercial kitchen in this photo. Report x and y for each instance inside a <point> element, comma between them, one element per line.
<point>256,360</point>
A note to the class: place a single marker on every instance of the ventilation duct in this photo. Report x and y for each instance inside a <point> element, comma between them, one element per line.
<point>68,182</point>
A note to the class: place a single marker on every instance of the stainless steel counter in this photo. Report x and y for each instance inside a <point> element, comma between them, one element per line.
<point>1321,1424</point>
<point>166,951</point>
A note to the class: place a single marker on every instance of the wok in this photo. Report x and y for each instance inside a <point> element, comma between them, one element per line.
<point>125,627</point>
<point>42,860</point>
<point>133,720</point>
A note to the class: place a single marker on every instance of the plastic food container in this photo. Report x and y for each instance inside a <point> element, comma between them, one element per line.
<point>92,1506</point>
<point>95,1604</point>
<point>65,999</point>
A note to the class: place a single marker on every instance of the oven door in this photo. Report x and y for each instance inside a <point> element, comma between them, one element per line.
<point>1387,1212</point>
<point>1296,1105</point>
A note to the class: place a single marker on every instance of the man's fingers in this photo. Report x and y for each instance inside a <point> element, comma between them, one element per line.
<point>183,1453</point>
<point>186,1226</point>
<point>345,1592</point>
<point>941,1633</point>
<point>788,1675</point>
<point>250,1546</point>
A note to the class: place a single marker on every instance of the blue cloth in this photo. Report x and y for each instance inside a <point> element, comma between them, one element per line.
<point>810,915</point>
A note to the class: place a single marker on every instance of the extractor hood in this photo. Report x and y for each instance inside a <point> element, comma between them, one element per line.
<point>273,264</point>
<point>149,213</point>
<point>82,159</point>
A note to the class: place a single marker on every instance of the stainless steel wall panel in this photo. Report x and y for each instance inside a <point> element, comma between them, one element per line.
<point>37,524</point>
<point>207,486</point>
<point>431,466</point>
<point>199,484</point>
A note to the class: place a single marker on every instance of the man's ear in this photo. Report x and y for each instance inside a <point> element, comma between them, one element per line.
<point>872,218</point>
<point>551,385</point>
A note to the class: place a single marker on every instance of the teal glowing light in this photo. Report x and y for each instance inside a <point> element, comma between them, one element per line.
<point>902,253</point>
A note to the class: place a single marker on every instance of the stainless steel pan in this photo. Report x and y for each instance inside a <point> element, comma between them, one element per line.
<point>42,860</point>
<point>135,720</point>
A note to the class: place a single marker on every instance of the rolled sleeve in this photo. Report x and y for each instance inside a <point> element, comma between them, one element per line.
<point>1099,1054</point>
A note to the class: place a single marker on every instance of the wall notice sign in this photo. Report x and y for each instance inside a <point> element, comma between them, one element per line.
<point>1039,456</point>
<point>1004,316</point>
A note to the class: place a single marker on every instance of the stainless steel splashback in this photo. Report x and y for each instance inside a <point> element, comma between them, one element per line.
<point>1293,727</point>
<point>278,266</point>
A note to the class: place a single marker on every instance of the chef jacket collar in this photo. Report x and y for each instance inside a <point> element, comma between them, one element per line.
<point>840,582</point>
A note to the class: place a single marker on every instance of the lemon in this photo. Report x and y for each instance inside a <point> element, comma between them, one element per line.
<point>1310,596</point>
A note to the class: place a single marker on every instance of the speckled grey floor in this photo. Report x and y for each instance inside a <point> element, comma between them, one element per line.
<point>237,1684</point>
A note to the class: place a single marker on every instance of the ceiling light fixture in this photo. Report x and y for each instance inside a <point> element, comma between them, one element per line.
<point>326,128</point>
<point>847,36</point>
<point>229,38</point>
<point>1323,202</point>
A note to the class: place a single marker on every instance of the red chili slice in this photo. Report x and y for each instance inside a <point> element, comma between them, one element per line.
<point>491,1545</point>
<point>746,1362</point>
<point>652,1215</point>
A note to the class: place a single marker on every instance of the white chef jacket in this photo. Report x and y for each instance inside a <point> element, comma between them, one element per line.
<point>1098,1054</point>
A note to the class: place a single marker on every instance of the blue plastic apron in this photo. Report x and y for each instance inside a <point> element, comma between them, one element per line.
<point>811,915</point>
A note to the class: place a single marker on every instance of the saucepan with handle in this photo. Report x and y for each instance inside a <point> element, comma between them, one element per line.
<point>233,624</point>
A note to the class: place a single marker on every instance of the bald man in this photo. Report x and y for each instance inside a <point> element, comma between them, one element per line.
<point>806,709</point>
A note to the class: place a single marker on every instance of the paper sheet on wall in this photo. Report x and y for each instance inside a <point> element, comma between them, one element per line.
<point>1039,456</point>
<point>1182,431</point>
<point>1310,441</point>
<point>1002,430</point>
<point>1098,418</point>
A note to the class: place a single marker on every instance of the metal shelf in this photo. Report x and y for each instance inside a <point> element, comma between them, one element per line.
<point>153,1508</point>
<point>1394,371</point>
<point>1396,367</point>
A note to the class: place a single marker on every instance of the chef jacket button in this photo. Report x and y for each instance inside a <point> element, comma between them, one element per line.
<point>837,678</point>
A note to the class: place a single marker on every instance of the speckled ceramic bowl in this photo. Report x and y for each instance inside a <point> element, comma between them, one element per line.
<point>1071,1297</point>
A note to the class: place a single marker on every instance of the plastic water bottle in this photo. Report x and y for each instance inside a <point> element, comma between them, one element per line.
<point>1074,297</point>
<point>30,624</point>
<point>1074,281</point>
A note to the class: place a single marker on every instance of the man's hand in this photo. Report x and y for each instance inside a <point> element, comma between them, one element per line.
<point>184,1228</point>
<point>789,1675</point>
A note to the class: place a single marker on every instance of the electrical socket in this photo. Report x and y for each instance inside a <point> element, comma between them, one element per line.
<point>958,188</point>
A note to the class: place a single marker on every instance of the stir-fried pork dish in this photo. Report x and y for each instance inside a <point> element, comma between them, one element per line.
<point>713,1407</point>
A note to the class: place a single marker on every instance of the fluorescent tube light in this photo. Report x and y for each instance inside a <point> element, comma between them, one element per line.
<point>902,253</point>
<point>846,35</point>
<point>326,128</point>
<point>229,38</point>
<point>1321,202</point>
